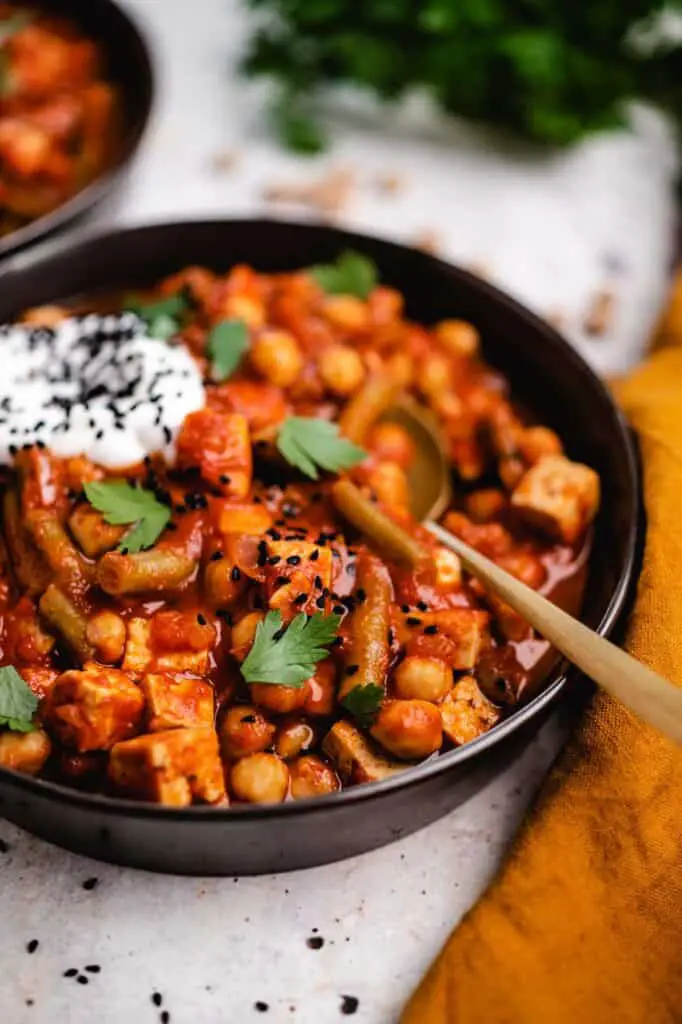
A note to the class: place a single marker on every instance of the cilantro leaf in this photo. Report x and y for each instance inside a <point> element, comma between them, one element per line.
<point>363,702</point>
<point>352,274</point>
<point>14,23</point>
<point>121,504</point>
<point>287,657</point>
<point>163,317</point>
<point>311,444</point>
<point>227,343</point>
<point>18,703</point>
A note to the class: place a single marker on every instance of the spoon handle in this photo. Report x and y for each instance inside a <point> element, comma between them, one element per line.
<point>655,699</point>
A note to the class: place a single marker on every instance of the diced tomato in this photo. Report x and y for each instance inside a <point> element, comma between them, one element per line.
<point>180,631</point>
<point>219,444</point>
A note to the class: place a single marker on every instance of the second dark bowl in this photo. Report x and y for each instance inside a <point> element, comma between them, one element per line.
<point>547,376</point>
<point>128,66</point>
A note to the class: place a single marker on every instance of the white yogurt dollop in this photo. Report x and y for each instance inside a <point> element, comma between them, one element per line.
<point>95,386</point>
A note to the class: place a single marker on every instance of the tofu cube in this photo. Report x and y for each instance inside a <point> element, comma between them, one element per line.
<point>306,575</point>
<point>174,702</point>
<point>138,653</point>
<point>175,768</point>
<point>558,496</point>
<point>94,708</point>
<point>458,637</point>
<point>24,751</point>
<point>467,713</point>
<point>354,756</point>
<point>140,656</point>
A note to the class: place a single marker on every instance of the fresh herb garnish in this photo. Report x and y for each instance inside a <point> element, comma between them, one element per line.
<point>312,444</point>
<point>122,504</point>
<point>288,656</point>
<point>162,318</point>
<point>352,274</point>
<point>363,702</point>
<point>14,23</point>
<point>18,702</point>
<point>227,343</point>
<point>297,130</point>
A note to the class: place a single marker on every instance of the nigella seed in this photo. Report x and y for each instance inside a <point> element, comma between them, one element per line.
<point>279,634</point>
<point>32,946</point>
<point>293,559</point>
<point>390,638</point>
<point>90,883</point>
<point>236,574</point>
<point>301,599</point>
<point>430,630</point>
<point>70,973</point>
<point>360,595</point>
<point>201,619</point>
<point>320,602</point>
<point>164,1017</point>
<point>249,718</point>
<point>404,608</point>
<point>157,998</point>
<point>82,980</point>
<point>412,620</point>
<point>274,559</point>
<point>281,581</point>
<point>216,556</point>
<point>315,942</point>
<point>318,583</point>
<point>352,669</point>
<point>225,479</point>
<point>93,968</point>
<point>422,606</point>
<point>315,555</point>
<point>275,534</point>
<point>338,609</point>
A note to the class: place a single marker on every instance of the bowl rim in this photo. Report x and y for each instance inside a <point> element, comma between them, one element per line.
<point>105,182</point>
<point>436,764</point>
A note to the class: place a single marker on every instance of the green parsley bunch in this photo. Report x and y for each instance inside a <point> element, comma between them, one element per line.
<point>547,70</point>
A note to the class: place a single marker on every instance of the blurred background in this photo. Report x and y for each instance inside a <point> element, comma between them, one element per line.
<point>500,134</point>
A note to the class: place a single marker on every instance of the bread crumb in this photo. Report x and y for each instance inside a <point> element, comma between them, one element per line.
<point>600,313</point>
<point>428,241</point>
<point>328,194</point>
<point>224,161</point>
<point>389,183</point>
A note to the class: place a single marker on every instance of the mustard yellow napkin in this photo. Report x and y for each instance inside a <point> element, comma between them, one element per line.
<point>584,923</point>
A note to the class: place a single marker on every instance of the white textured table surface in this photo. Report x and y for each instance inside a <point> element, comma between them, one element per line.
<point>549,230</point>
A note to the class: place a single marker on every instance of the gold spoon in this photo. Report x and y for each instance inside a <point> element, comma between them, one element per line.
<point>655,699</point>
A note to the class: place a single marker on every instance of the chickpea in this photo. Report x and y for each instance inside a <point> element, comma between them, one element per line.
<point>310,776</point>
<point>389,483</point>
<point>385,305</point>
<point>277,356</point>
<point>243,634</point>
<point>24,751</point>
<point>390,441</point>
<point>448,569</point>
<point>534,442</point>
<point>106,631</point>
<point>409,729</point>
<point>422,679</point>
<point>246,308</point>
<point>458,337</point>
<point>347,313</point>
<point>434,374</point>
<point>485,505</point>
<point>45,316</point>
<point>341,369</point>
<point>280,699</point>
<point>244,730</point>
<point>221,588</point>
<point>260,779</point>
<point>400,368</point>
<point>294,737</point>
<point>321,694</point>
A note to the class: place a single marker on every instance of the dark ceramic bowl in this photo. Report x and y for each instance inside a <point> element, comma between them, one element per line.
<point>128,65</point>
<point>546,375</point>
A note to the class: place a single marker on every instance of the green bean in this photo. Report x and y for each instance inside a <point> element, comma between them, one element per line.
<point>158,569</point>
<point>63,616</point>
